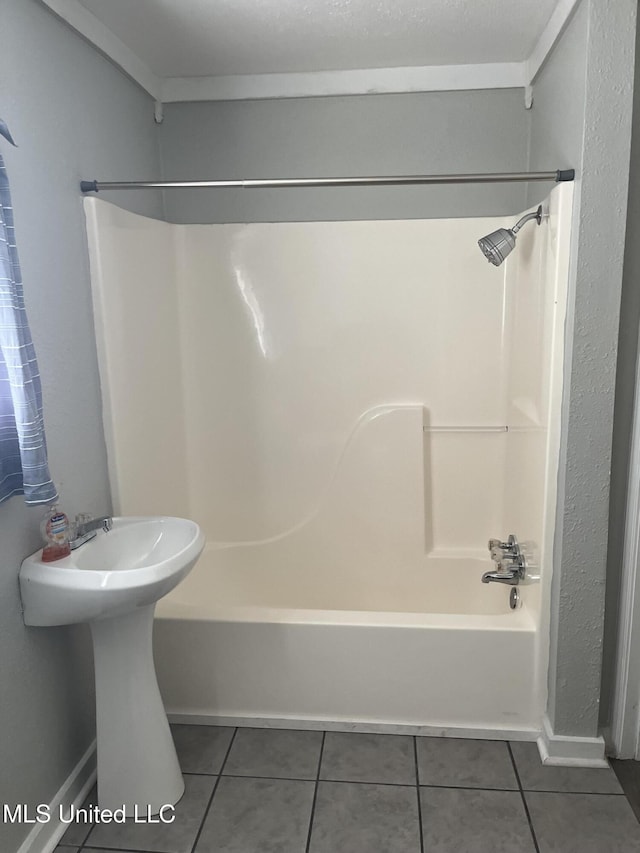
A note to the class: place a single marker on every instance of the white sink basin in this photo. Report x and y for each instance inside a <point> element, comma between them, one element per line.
<point>136,563</point>
<point>113,582</point>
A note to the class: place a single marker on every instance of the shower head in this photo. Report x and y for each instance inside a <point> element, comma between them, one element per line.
<point>497,245</point>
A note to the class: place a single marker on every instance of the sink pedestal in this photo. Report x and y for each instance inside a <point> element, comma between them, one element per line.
<point>137,762</point>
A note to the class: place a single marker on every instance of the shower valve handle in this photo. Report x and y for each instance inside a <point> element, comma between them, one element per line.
<point>511,545</point>
<point>504,550</point>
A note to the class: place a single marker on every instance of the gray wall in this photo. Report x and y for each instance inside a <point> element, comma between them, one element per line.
<point>625,391</point>
<point>72,114</point>
<point>582,116</point>
<point>373,134</point>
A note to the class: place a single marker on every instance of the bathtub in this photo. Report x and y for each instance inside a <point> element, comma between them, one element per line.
<point>255,636</point>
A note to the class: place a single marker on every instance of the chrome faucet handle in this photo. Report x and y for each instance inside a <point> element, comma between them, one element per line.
<point>512,564</point>
<point>510,546</point>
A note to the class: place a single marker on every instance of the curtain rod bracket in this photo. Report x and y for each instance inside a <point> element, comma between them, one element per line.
<point>528,97</point>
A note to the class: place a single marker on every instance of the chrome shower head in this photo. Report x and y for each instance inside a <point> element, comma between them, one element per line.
<point>497,245</point>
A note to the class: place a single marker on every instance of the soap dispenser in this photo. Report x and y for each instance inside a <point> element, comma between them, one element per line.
<point>55,532</point>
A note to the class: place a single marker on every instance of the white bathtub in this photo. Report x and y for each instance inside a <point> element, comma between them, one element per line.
<point>255,636</point>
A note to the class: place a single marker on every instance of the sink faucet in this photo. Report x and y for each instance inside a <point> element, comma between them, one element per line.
<point>86,528</point>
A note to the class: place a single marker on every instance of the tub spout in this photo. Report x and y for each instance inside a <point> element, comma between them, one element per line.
<point>512,577</point>
<point>509,571</point>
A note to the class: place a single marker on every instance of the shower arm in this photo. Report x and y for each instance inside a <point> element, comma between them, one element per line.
<point>527,218</point>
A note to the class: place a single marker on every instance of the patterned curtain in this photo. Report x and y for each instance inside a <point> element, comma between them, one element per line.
<point>23,450</point>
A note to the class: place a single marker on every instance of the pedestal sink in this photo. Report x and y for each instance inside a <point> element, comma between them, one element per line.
<point>113,582</point>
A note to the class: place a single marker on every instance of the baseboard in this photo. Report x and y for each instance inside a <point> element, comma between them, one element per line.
<point>44,837</point>
<point>609,746</point>
<point>566,751</point>
<point>367,726</point>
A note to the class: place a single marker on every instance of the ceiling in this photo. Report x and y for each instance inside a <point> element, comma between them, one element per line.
<point>213,50</point>
<point>220,38</point>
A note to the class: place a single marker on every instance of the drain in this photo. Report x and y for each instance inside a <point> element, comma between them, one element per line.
<point>514,598</point>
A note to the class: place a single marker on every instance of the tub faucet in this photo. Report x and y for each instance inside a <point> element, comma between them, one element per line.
<point>511,566</point>
<point>86,528</point>
<point>510,572</point>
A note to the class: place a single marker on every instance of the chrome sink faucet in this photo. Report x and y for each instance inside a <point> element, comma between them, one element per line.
<point>85,528</point>
<point>511,566</point>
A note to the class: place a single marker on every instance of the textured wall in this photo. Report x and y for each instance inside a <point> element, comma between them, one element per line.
<point>368,135</point>
<point>73,115</point>
<point>582,116</point>
<point>625,390</point>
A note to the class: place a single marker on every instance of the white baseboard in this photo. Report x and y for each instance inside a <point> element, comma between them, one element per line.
<point>566,751</point>
<point>44,837</point>
<point>609,746</point>
<point>370,727</point>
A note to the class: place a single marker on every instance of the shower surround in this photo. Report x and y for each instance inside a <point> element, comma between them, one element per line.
<point>350,410</point>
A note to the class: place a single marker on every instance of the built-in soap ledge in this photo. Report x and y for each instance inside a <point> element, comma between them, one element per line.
<point>523,414</point>
<point>465,428</point>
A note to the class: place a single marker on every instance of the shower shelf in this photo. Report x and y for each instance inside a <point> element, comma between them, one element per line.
<point>465,429</point>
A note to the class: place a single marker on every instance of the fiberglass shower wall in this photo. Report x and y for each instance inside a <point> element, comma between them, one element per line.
<point>239,361</point>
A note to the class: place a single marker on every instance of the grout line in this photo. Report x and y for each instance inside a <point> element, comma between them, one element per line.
<point>574,793</point>
<point>415,758</point>
<point>524,801</point>
<point>514,790</point>
<point>315,794</point>
<point>92,826</point>
<point>333,781</point>
<point>302,779</point>
<point>213,793</point>
<point>114,849</point>
<point>526,790</point>
<point>370,782</point>
<point>256,776</point>
<point>472,788</point>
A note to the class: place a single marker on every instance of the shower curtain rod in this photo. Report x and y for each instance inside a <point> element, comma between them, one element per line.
<point>389,180</point>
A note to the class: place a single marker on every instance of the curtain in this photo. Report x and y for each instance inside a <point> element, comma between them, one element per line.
<point>23,451</point>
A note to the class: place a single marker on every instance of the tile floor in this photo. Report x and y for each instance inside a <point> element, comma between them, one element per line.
<point>279,791</point>
<point>628,773</point>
